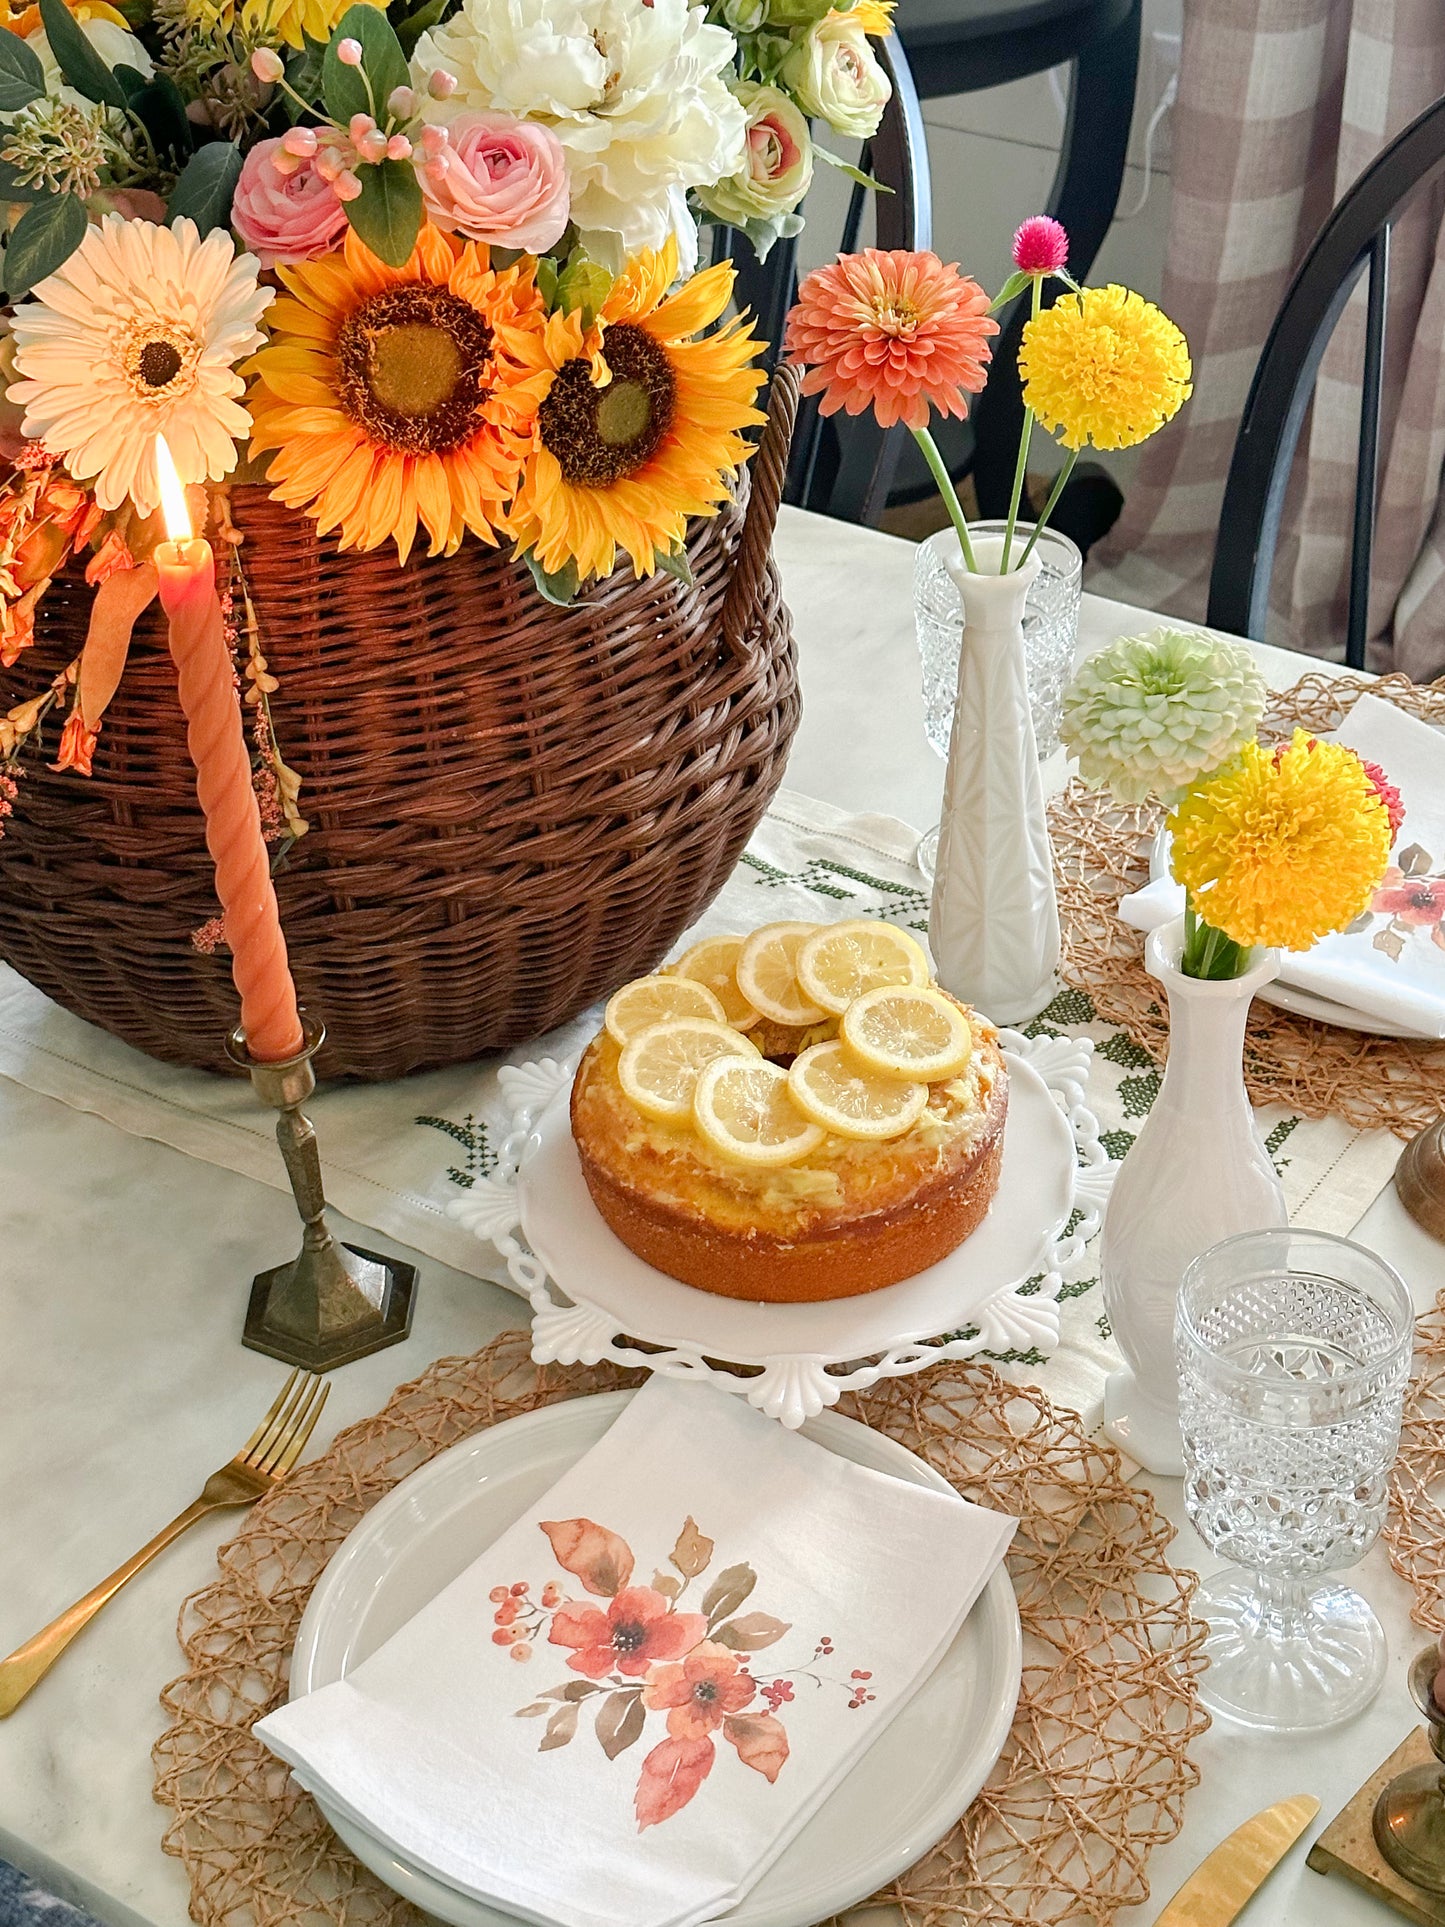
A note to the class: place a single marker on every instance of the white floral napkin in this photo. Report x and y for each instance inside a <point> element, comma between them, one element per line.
<point>622,1713</point>
<point>1390,964</point>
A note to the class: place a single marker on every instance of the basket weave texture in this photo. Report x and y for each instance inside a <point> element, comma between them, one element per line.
<point>513,807</point>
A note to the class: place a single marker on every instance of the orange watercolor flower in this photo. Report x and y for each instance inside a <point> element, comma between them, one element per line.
<point>701,1692</point>
<point>896,332</point>
<point>637,1628</point>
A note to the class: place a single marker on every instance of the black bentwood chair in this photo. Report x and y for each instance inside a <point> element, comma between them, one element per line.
<point>1354,239</point>
<point>961,46</point>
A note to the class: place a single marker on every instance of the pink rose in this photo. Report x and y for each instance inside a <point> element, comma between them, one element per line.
<point>285,217</point>
<point>499,180</point>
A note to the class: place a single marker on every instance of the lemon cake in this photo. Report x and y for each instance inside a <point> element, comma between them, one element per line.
<point>799,1114</point>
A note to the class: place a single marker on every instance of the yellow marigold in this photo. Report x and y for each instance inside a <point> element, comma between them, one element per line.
<point>1104,366</point>
<point>1284,845</point>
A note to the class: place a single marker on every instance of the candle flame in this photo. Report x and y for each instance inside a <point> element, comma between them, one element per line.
<point>173,495</point>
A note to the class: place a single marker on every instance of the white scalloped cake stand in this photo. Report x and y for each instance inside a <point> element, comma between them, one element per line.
<point>593,1299</point>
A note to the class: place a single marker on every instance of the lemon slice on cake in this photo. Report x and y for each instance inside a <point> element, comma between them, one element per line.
<point>658,1000</point>
<point>843,960</point>
<point>767,974</point>
<point>912,1031</point>
<point>660,1066</point>
<point>714,963</point>
<point>830,1086</point>
<point>743,1107</point>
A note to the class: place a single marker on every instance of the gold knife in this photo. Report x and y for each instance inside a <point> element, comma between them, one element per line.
<point>1239,1866</point>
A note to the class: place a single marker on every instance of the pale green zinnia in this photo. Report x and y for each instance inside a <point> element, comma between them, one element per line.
<point>1150,715</point>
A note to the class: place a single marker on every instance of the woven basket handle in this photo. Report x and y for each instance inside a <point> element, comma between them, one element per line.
<point>769,472</point>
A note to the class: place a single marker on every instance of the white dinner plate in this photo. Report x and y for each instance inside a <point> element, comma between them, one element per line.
<point>1299,1003</point>
<point>903,1794</point>
<point>1034,1198</point>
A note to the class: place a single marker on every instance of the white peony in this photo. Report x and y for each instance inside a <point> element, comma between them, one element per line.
<point>635,92</point>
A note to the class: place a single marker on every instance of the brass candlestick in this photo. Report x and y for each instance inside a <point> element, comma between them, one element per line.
<point>1420,1177</point>
<point>1409,1816</point>
<point>333,1303</point>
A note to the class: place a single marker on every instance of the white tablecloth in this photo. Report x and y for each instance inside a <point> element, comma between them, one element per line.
<point>122,1380</point>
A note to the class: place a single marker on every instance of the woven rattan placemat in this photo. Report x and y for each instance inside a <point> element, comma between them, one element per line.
<point>1101,853</point>
<point>1093,1776</point>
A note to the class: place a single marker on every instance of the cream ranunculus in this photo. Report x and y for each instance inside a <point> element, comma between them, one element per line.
<point>778,167</point>
<point>833,73</point>
<point>636,95</point>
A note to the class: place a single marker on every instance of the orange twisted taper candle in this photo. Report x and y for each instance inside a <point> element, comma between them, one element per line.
<point>217,741</point>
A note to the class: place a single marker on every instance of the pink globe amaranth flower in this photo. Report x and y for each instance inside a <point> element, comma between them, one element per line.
<point>896,332</point>
<point>285,216</point>
<point>1041,246</point>
<point>501,180</point>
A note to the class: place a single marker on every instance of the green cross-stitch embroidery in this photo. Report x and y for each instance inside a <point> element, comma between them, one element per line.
<point>472,1137</point>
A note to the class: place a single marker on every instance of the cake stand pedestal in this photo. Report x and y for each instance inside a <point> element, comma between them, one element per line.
<point>593,1299</point>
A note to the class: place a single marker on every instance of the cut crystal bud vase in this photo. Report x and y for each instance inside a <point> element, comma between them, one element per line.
<point>1197,1172</point>
<point>994,923</point>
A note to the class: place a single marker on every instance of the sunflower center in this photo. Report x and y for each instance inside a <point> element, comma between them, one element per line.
<point>600,435</point>
<point>159,358</point>
<point>412,364</point>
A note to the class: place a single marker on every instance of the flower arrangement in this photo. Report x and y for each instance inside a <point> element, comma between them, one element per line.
<point>902,335</point>
<point>430,272</point>
<point>1276,845</point>
<point>637,1650</point>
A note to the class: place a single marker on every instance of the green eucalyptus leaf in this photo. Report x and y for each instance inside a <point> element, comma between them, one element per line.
<point>130,78</point>
<point>853,173</point>
<point>387,212</point>
<point>559,589</point>
<point>161,110</point>
<point>77,60</point>
<point>303,76</point>
<point>22,78</point>
<point>382,63</point>
<point>44,238</point>
<point>206,186</point>
<point>422,21</point>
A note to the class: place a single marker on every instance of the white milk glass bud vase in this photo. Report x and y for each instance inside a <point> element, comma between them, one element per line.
<point>994,923</point>
<point>1197,1172</point>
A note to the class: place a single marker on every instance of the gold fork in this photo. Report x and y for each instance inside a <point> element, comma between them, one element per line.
<point>261,1464</point>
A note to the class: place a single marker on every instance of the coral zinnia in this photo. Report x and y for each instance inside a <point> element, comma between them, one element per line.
<point>396,394</point>
<point>895,332</point>
<point>1282,850</point>
<point>1104,366</point>
<point>634,438</point>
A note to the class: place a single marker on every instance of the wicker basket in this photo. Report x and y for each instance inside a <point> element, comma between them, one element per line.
<point>513,807</point>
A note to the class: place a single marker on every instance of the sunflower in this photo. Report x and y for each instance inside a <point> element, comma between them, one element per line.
<point>631,443</point>
<point>395,394</point>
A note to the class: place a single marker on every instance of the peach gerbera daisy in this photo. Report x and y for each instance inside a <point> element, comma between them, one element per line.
<point>895,332</point>
<point>392,396</point>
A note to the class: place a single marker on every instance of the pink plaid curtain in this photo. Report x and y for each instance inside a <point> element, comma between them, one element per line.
<point>1281,104</point>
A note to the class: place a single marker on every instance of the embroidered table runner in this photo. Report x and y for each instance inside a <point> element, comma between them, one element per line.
<point>396,1154</point>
